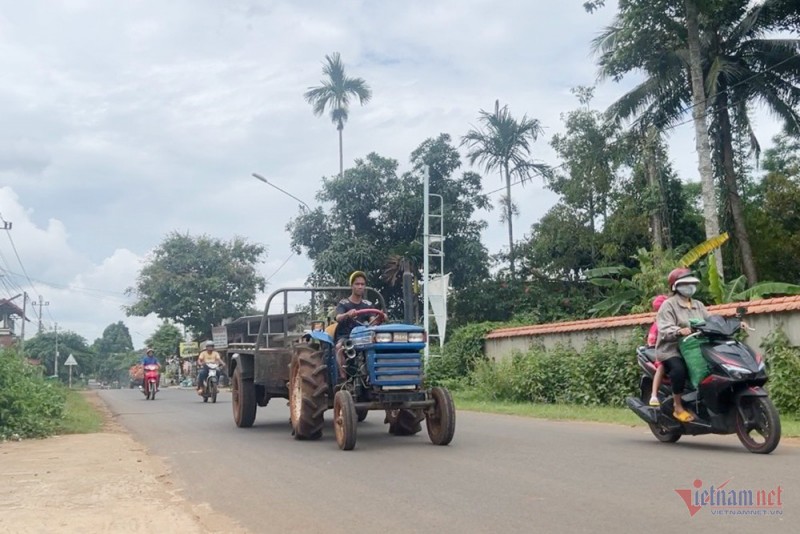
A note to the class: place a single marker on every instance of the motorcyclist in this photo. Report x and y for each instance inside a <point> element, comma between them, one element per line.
<point>148,359</point>
<point>207,356</point>
<point>673,320</point>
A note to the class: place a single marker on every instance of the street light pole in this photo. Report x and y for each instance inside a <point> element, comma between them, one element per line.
<point>259,177</point>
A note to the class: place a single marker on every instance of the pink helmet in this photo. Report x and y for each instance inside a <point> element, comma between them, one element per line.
<point>658,301</point>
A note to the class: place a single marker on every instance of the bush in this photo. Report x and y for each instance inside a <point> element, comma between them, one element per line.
<point>783,366</point>
<point>460,354</point>
<point>29,405</point>
<point>603,373</point>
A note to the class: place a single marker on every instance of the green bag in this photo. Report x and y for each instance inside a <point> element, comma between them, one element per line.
<point>696,364</point>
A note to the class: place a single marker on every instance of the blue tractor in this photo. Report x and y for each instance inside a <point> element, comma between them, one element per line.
<point>379,366</point>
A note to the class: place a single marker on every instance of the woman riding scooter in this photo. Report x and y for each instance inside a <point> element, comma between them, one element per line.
<point>673,320</point>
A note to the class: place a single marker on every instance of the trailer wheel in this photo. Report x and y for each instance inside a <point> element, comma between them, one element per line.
<point>441,417</point>
<point>243,399</point>
<point>405,422</point>
<point>308,388</point>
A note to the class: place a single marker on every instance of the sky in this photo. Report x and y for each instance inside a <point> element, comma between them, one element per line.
<point>121,122</point>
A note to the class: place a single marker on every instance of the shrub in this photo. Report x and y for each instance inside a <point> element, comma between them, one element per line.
<point>460,354</point>
<point>603,373</point>
<point>29,405</point>
<point>783,365</point>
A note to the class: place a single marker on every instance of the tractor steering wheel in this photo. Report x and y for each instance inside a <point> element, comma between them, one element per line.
<point>380,317</point>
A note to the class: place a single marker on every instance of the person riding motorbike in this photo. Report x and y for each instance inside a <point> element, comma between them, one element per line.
<point>673,320</point>
<point>148,359</point>
<point>205,357</point>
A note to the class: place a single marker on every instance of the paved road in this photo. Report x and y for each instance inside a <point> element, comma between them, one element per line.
<point>500,474</point>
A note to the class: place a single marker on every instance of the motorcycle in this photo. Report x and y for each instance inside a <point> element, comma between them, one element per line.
<point>151,378</point>
<point>211,384</point>
<point>729,400</point>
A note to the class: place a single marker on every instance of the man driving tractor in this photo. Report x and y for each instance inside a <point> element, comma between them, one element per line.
<point>346,313</point>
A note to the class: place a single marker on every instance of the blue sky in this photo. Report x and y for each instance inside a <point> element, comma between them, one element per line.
<point>123,121</point>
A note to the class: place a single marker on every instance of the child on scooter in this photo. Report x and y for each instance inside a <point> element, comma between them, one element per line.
<point>652,338</point>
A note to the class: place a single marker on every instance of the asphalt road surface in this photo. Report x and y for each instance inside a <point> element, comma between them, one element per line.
<point>500,473</point>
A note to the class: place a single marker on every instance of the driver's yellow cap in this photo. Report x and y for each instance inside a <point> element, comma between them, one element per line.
<point>357,274</point>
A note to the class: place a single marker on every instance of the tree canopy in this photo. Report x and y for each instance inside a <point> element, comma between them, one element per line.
<point>198,281</point>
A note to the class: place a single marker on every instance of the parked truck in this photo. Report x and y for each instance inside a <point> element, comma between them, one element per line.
<point>382,369</point>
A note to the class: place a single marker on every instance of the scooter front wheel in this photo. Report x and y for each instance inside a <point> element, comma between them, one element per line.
<point>758,425</point>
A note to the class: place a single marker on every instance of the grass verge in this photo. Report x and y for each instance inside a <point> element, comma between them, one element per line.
<point>80,416</point>
<point>471,401</point>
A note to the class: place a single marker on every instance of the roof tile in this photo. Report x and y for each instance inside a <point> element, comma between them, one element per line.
<point>754,307</point>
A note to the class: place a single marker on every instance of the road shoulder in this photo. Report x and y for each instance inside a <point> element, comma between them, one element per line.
<point>101,482</point>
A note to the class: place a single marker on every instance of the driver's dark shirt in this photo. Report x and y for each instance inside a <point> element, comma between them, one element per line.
<point>344,327</point>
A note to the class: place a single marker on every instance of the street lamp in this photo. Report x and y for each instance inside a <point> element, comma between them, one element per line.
<point>259,177</point>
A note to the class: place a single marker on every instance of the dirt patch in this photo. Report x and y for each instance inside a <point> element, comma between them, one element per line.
<point>103,482</point>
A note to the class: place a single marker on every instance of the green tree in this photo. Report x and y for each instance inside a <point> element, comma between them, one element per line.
<point>717,55</point>
<point>198,281</point>
<point>43,347</point>
<point>115,341</point>
<point>774,214</point>
<point>504,143</point>
<point>589,148</point>
<point>334,95</point>
<point>165,341</point>
<point>116,338</point>
<point>381,232</point>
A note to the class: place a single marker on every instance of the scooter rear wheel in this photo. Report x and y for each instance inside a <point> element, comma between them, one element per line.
<point>663,435</point>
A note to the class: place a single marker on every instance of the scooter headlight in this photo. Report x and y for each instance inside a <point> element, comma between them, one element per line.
<point>736,371</point>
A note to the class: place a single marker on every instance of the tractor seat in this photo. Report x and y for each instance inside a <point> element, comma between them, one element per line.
<point>649,353</point>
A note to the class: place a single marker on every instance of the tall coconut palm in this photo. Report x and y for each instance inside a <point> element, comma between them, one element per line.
<point>334,95</point>
<point>741,63</point>
<point>505,144</point>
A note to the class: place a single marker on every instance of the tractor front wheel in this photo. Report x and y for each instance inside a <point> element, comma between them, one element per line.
<point>345,420</point>
<point>441,417</point>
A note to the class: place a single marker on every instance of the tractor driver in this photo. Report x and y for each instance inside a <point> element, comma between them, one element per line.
<point>346,312</point>
<point>347,308</point>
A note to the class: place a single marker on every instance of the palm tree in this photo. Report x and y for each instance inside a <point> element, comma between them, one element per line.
<point>505,144</point>
<point>334,95</point>
<point>740,65</point>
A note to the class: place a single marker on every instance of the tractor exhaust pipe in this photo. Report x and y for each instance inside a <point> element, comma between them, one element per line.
<point>349,349</point>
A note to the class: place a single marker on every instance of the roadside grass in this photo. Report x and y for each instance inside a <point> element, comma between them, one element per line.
<point>472,401</point>
<point>80,417</point>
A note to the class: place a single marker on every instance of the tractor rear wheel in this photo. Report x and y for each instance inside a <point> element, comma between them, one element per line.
<point>308,388</point>
<point>441,417</point>
<point>345,420</point>
<point>405,422</point>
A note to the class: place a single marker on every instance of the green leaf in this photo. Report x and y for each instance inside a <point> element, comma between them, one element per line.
<point>702,249</point>
<point>766,289</point>
<point>715,283</point>
<point>605,271</point>
<point>604,282</point>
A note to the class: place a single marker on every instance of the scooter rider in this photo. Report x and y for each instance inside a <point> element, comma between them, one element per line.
<point>205,357</point>
<point>674,319</point>
<point>148,359</point>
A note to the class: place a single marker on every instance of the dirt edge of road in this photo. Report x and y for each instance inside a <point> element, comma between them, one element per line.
<point>101,482</point>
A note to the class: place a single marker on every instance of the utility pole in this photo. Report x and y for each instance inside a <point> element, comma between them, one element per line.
<point>55,371</point>
<point>41,304</point>
<point>24,318</point>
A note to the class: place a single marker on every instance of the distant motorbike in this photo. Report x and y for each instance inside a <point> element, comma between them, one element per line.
<point>211,384</point>
<point>730,400</point>
<point>151,378</point>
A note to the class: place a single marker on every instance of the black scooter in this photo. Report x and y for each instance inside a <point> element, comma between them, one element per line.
<point>729,400</point>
